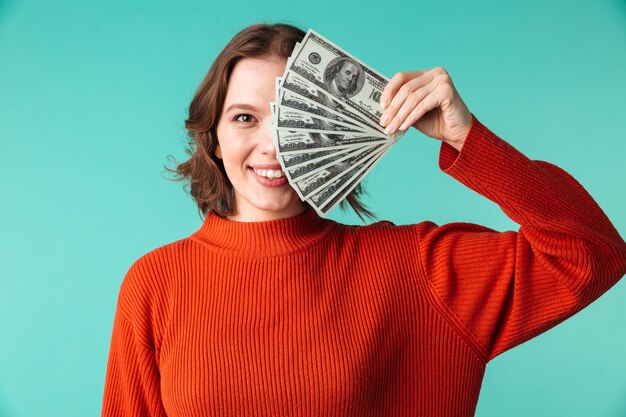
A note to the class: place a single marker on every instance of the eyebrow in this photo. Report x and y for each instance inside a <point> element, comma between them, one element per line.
<point>242,106</point>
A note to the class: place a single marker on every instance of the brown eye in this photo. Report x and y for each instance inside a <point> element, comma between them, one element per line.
<point>244,117</point>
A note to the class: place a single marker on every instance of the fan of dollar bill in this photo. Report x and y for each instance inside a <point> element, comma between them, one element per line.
<point>325,121</point>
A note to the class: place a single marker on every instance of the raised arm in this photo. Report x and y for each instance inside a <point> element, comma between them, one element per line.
<point>505,288</point>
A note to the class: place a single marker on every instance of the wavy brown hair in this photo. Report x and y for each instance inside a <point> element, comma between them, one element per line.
<point>210,187</point>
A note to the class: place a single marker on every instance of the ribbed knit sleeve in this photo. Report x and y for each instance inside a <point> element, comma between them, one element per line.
<point>132,385</point>
<point>506,288</point>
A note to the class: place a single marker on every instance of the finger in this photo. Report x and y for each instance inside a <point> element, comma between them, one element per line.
<point>394,85</point>
<point>430,102</point>
<point>401,95</point>
<point>412,100</point>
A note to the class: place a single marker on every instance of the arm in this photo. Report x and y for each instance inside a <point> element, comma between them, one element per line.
<point>132,386</point>
<point>504,288</point>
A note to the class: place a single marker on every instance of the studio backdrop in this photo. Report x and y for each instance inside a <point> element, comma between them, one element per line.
<point>93,97</point>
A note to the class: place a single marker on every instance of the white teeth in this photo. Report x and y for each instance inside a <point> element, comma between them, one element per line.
<point>269,173</point>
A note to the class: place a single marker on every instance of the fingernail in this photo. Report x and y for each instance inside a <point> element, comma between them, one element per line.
<point>384,120</point>
<point>383,102</point>
<point>389,130</point>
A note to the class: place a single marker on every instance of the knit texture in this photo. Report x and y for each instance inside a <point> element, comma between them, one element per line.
<point>304,316</point>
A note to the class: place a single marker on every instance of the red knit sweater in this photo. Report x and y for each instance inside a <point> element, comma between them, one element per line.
<point>307,317</point>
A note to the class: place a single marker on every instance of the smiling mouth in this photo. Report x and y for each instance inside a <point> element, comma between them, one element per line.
<point>269,177</point>
<point>269,173</point>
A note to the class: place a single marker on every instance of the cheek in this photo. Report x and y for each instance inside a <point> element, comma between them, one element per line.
<point>226,144</point>
<point>231,147</point>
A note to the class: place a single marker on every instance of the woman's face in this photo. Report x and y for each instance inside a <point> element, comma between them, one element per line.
<point>245,144</point>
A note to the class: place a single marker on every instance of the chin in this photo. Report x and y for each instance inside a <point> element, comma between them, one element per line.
<point>266,205</point>
<point>275,206</point>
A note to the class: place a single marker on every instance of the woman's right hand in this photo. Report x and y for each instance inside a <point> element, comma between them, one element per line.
<point>428,101</point>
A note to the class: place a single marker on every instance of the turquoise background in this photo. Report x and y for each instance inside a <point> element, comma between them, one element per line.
<point>93,95</point>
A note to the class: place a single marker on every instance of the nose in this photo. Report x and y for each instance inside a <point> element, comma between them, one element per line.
<point>265,143</point>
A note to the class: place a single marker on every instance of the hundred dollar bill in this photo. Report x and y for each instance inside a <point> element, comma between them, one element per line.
<point>301,171</point>
<point>325,199</point>
<point>286,118</point>
<point>310,184</point>
<point>290,142</point>
<point>294,160</point>
<point>297,141</point>
<point>341,194</point>
<point>337,72</point>
<point>288,99</point>
<point>295,84</point>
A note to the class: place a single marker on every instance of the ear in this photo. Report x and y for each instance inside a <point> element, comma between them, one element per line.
<point>218,152</point>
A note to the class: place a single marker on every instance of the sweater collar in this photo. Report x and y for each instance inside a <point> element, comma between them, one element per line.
<point>265,238</point>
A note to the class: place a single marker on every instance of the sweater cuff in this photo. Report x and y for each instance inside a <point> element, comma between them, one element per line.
<point>484,162</point>
<point>449,156</point>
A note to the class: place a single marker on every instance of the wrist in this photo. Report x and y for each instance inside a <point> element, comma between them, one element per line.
<point>458,140</point>
<point>457,144</point>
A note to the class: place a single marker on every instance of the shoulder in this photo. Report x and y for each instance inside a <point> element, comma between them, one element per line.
<point>164,257</point>
<point>384,228</point>
<point>405,236</point>
<point>148,280</point>
<point>385,232</point>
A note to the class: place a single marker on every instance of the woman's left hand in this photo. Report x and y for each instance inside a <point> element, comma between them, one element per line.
<point>428,101</point>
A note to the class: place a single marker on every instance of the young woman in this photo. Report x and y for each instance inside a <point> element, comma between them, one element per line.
<point>270,310</point>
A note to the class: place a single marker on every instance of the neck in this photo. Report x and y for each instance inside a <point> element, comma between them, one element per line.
<point>262,216</point>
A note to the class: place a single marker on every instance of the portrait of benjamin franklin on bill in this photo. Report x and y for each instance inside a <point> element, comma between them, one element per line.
<point>343,77</point>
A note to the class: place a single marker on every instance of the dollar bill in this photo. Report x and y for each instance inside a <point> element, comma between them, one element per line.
<point>343,76</point>
<point>294,101</point>
<point>323,195</point>
<point>325,121</point>
<point>295,142</point>
<point>290,142</point>
<point>303,170</point>
<point>318,179</point>
<point>294,160</point>
<point>308,183</point>
<point>298,85</point>
<point>291,119</point>
<point>349,185</point>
